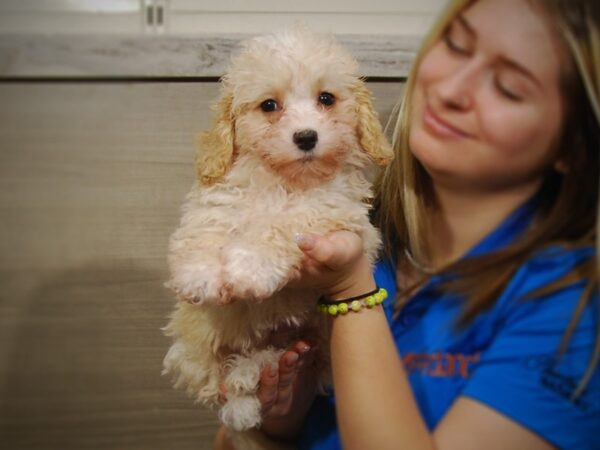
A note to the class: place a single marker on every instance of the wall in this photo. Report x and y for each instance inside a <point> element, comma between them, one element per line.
<point>389,17</point>
<point>95,158</point>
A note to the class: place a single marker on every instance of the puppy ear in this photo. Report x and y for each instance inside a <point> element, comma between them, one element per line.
<point>370,134</point>
<point>215,150</point>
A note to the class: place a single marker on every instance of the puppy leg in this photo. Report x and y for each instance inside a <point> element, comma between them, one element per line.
<point>198,372</point>
<point>242,410</point>
<point>196,264</point>
<point>256,270</point>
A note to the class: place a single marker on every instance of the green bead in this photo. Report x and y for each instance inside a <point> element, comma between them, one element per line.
<point>323,309</point>
<point>355,305</point>
<point>383,292</point>
<point>343,308</point>
<point>370,301</point>
<point>332,310</point>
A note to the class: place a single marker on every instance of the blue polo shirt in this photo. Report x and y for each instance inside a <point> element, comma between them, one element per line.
<point>506,358</point>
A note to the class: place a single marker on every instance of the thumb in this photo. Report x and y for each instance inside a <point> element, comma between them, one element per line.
<point>334,250</point>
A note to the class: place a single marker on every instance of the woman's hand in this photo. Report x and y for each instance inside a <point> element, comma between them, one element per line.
<point>287,391</point>
<point>335,264</point>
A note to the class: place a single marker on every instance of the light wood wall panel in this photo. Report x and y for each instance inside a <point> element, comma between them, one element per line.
<point>92,176</point>
<point>393,17</point>
<point>174,56</point>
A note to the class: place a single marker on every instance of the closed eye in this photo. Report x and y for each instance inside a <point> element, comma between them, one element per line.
<point>509,94</point>
<point>454,47</point>
<point>460,37</point>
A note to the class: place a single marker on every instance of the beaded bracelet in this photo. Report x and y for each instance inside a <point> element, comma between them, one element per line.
<point>368,300</point>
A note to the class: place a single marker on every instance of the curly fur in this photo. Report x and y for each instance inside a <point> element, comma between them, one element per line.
<point>234,252</point>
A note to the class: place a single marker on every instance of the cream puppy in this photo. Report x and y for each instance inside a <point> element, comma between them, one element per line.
<point>293,150</point>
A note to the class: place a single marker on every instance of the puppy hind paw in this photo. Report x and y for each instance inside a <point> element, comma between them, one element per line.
<point>241,413</point>
<point>243,376</point>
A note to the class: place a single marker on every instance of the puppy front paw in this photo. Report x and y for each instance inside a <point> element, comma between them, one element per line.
<point>251,275</point>
<point>199,282</point>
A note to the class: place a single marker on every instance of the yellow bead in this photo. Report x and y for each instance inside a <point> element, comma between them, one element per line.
<point>378,298</point>
<point>370,301</point>
<point>355,305</point>
<point>343,308</point>
<point>384,293</point>
<point>332,310</point>
<point>323,309</point>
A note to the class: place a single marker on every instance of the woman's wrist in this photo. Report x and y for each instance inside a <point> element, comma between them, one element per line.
<point>357,282</point>
<point>342,307</point>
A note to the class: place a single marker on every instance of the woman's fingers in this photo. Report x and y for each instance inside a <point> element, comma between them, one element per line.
<point>277,385</point>
<point>268,386</point>
<point>332,260</point>
<point>334,250</point>
<point>302,348</point>
<point>288,369</point>
<point>277,382</point>
<point>334,264</point>
<point>222,393</point>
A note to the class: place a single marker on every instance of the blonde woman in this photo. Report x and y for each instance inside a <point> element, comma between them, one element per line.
<point>489,337</point>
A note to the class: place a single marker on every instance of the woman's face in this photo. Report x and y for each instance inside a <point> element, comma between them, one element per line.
<point>487,107</point>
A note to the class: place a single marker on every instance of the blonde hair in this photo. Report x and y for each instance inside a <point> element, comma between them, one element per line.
<point>565,216</point>
<point>401,186</point>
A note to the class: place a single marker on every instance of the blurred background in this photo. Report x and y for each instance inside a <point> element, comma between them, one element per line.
<point>99,104</point>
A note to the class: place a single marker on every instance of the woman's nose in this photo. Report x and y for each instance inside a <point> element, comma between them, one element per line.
<point>456,89</point>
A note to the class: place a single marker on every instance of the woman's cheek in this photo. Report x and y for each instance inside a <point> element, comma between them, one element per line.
<point>506,129</point>
<point>432,68</point>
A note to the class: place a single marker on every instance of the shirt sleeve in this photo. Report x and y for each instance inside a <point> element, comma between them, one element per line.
<point>521,375</point>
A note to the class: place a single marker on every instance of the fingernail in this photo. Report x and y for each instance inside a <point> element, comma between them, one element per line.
<point>304,348</point>
<point>304,241</point>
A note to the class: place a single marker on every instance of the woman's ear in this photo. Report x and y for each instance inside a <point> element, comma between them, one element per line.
<point>215,148</point>
<point>370,134</point>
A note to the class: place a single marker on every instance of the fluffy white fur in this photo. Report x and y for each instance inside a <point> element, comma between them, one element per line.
<point>234,252</point>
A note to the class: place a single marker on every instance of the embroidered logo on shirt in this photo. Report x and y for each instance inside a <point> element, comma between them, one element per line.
<point>561,384</point>
<point>440,364</point>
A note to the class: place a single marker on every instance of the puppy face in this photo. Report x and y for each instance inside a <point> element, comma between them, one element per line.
<point>303,129</point>
<point>293,101</point>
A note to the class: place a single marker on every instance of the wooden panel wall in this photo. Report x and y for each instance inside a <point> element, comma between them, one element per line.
<point>392,17</point>
<point>91,179</point>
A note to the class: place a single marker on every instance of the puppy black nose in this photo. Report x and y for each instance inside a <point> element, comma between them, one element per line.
<point>306,139</point>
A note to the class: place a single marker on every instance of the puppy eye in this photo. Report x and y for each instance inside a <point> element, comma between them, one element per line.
<point>269,105</point>
<point>327,99</point>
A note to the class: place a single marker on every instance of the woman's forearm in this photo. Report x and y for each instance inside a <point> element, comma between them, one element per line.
<point>375,405</point>
<point>374,402</point>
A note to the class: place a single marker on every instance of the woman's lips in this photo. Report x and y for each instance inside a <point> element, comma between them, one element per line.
<point>439,127</point>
